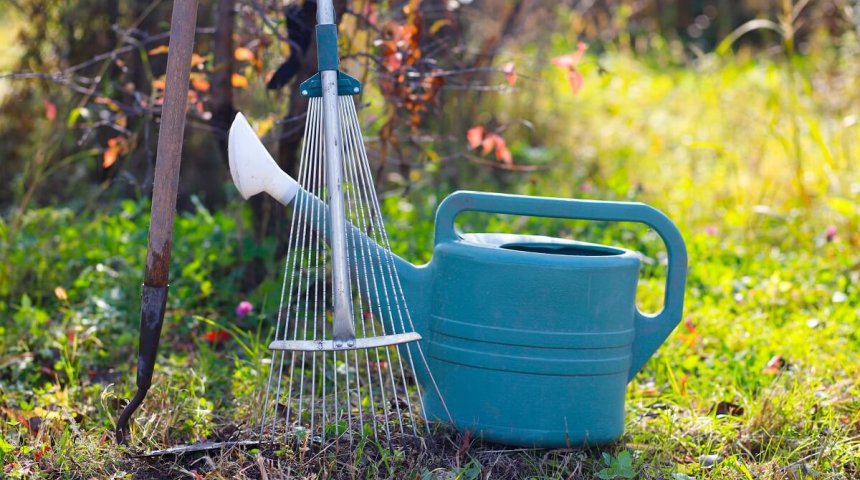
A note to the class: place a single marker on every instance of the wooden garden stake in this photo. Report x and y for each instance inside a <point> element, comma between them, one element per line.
<point>156,274</point>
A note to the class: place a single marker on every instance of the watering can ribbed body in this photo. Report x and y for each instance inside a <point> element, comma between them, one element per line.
<point>533,348</point>
<point>532,340</point>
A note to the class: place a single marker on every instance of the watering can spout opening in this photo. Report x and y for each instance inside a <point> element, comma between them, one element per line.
<point>252,167</point>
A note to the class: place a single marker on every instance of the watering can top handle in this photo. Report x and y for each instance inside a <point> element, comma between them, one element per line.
<point>651,330</point>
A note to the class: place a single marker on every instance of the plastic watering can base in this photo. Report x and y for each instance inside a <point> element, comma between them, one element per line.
<point>533,410</point>
<point>532,340</point>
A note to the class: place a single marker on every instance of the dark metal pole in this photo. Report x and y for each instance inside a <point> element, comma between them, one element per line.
<point>156,275</point>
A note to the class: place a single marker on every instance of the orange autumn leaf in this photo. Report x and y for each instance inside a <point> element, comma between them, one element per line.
<point>199,83</point>
<point>158,84</point>
<point>571,60</point>
<point>50,111</point>
<point>574,79</point>
<point>197,59</point>
<point>216,336</point>
<point>393,61</point>
<point>502,153</point>
<point>510,73</point>
<point>159,50</point>
<point>116,146</point>
<point>243,54</point>
<point>489,143</point>
<point>776,364</point>
<point>474,136</point>
<point>108,102</point>
<point>238,81</point>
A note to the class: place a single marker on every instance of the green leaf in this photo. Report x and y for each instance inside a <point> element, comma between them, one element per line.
<point>73,117</point>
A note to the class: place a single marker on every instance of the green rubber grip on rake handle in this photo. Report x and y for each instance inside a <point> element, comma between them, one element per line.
<point>327,47</point>
<point>651,330</point>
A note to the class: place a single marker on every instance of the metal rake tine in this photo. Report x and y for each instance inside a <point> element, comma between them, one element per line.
<point>375,226</point>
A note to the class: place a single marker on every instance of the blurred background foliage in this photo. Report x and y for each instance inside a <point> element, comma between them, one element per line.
<point>79,106</point>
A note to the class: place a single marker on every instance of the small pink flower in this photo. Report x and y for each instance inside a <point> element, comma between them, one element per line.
<point>830,233</point>
<point>586,187</point>
<point>244,308</point>
<point>712,230</point>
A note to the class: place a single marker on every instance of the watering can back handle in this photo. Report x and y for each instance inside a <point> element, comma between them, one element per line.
<point>651,330</point>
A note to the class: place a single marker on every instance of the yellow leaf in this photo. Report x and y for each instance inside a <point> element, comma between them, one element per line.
<point>439,25</point>
<point>159,50</point>
<point>264,125</point>
<point>158,83</point>
<point>60,293</point>
<point>285,49</point>
<point>243,54</point>
<point>109,103</point>
<point>239,81</point>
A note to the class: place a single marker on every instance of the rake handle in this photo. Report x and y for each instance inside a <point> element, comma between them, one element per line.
<point>343,328</point>
<point>165,185</point>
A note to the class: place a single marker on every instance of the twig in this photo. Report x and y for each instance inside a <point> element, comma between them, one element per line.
<point>274,28</point>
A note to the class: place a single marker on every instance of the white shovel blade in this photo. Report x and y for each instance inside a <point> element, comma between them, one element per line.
<point>252,168</point>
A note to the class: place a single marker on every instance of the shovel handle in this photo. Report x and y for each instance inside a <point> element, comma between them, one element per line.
<point>651,330</point>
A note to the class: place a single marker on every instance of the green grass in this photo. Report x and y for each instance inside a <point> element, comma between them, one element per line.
<point>754,160</point>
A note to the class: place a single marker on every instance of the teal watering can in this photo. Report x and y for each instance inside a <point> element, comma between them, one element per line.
<point>531,339</point>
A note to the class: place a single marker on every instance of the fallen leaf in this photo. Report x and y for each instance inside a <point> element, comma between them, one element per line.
<point>238,81</point>
<point>691,327</point>
<point>38,454</point>
<point>378,366</point>
<point>34,424</point>
<point>728,408</point>
<point>775,365</point>
<point>474,136</point>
